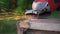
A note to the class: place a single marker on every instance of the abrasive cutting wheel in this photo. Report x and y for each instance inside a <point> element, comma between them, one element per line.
<point>39,16</point>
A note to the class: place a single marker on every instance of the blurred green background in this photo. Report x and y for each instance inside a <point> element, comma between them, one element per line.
<point>21,4</point>
<point>5,4</point>
<point>8,27</point>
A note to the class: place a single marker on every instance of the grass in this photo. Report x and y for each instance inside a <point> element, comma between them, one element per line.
<point>9,33</point>
<point>8,27</point>
<point>55,14</point>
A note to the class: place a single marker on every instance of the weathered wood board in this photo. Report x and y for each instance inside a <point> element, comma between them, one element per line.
<point>40,26</point>
<point>44,24</point>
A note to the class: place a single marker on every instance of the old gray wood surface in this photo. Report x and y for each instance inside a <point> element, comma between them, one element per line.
<point>44,24</point>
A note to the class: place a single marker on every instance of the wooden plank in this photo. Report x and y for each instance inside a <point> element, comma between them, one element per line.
<point>44,24</point>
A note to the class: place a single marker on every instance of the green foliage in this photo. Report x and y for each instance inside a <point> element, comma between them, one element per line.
<point>7,26</point>
<point>55,14</point>
<point>5,5</point>
<point>22,5</point>
<point>19,11</point>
